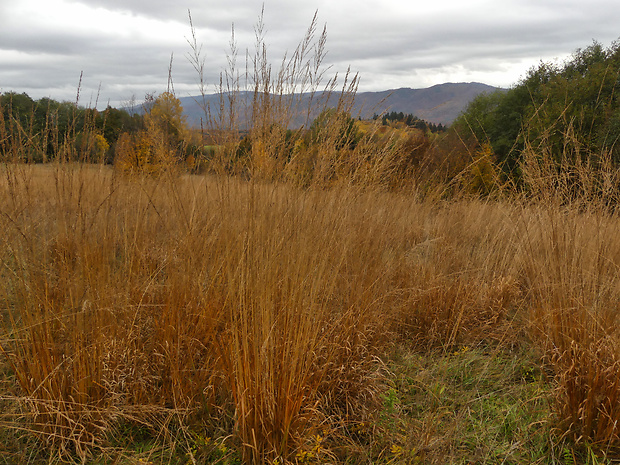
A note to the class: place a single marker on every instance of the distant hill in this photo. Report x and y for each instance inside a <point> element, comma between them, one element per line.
<point>441,103</point>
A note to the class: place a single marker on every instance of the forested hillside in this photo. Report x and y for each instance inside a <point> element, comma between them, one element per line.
<point>568,111</point>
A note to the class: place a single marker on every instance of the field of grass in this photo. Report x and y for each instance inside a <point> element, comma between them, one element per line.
<point>208,319</point>
<point>316,297</point>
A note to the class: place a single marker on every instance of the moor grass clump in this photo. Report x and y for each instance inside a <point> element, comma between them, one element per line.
<point>129,300</point>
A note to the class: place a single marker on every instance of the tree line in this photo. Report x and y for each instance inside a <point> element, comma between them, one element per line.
<point>159,136</point>
<point>45,129</point>
<point>51,123</point>
<point>411,121</point>
<point>569,112</point>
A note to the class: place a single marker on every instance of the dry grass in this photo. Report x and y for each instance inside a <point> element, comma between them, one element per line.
<point>168,302</point>
<point>570,267</point>
<point>155,294</point>
<point>259,308</point>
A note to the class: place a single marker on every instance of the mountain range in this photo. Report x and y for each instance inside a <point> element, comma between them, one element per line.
<point>441,103</point>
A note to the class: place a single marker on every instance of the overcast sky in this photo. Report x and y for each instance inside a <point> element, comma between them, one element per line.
<point>123,47</point>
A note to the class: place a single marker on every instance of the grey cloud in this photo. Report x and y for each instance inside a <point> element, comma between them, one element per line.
<point>393,43</point>
<point>209,13</point>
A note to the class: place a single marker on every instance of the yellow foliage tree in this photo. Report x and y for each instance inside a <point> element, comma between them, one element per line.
<point>133,153</point>
<point>161,144</point>
<point>90,146</point>
<point>167,115</point>
<point>482,175</point>
<point>101,146</point>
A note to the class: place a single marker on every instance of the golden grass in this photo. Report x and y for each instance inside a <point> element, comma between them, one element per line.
<point>125,293</point>
<point>142,292</point>
<point>273,299</point>
<point>148,300</point>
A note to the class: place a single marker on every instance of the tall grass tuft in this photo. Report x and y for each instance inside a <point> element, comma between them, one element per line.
<point>571,257</point>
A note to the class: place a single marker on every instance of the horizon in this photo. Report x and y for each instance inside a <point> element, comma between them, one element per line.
<point>123,48</point>
<point>215,93</point>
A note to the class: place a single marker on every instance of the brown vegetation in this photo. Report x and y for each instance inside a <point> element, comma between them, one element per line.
<point>285,306</point>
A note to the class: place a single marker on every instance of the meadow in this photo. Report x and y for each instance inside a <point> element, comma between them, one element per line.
<point>210,319</point>
<point>325,296</point>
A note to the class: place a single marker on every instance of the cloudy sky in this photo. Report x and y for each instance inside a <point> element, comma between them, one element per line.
<point>123,48</point>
